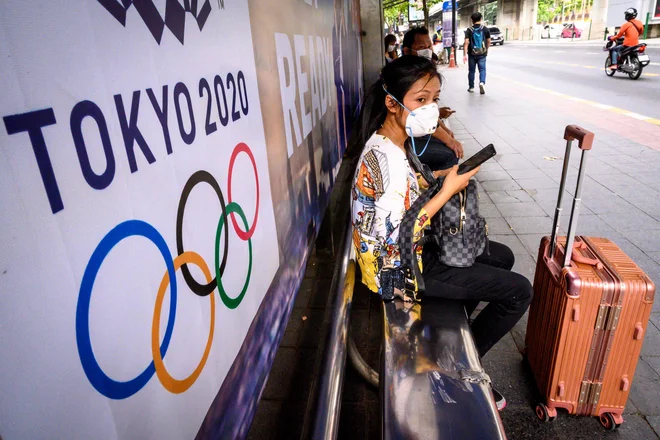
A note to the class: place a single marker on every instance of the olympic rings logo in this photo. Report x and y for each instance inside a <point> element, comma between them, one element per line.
<point>114,389</point>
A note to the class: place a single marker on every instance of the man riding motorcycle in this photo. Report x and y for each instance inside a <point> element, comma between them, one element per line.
<point>631,30</point>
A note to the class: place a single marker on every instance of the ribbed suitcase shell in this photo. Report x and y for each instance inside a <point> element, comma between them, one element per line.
<point>586,327</point>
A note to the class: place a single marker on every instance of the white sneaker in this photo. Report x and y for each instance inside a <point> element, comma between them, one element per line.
<point>482,88</point>
<point>471,90</point>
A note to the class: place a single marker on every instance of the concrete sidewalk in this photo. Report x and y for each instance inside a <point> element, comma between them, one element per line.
<point>621,201</point>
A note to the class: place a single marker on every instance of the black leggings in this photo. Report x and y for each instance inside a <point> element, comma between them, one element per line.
<point>489,279</point>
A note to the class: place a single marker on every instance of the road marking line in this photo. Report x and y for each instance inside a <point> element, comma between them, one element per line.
<point>561,63</point>
<point>593,53</point>
<point>636,116</point>
<point>584,101</point>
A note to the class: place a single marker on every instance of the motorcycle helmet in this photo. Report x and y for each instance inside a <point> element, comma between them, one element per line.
<point>630,13</point>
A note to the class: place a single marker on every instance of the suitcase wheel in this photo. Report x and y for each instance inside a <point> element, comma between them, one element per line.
<point>545,414</point>
<point>610,421</point>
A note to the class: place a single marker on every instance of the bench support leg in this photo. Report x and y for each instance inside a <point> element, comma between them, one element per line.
<point>360,364</point>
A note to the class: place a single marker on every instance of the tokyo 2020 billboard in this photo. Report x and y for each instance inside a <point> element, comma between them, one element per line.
<point>155,222</point>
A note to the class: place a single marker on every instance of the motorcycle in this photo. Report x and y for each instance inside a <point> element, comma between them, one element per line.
<point>632,60</point>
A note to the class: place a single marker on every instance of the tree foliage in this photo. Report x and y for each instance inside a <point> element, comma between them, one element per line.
<point>395,9</point>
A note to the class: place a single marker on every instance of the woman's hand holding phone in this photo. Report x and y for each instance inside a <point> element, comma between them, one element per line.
<point>455,182</point>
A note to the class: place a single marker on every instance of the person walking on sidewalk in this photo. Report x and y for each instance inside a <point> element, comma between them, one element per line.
<point>475,50</point>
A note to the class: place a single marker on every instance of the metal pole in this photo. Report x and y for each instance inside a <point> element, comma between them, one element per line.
<point>646,26</point>
<point>590,22</point>
<point>453,30</point>
<point>331,382</point>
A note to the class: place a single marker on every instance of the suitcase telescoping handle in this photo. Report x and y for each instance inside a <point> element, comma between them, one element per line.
<point>585,141</point>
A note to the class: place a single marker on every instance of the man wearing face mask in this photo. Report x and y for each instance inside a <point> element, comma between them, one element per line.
<point>440,150</point>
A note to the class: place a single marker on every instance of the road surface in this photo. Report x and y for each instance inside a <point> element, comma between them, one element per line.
<point>579,71</point>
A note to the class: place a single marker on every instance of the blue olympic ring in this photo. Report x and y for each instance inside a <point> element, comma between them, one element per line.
<point>99,380</point>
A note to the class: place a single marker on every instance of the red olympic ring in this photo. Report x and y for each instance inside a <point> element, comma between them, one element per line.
<point>242,147</point>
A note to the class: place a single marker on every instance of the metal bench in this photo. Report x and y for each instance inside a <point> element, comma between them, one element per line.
<point>431,381</point>
<point>432,384</point>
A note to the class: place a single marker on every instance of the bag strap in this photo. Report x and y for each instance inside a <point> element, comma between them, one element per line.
<point>414,282</point>
<point>412,273</point>
<point>420,168</point>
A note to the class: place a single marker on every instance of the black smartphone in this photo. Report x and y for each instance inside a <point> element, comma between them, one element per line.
<point>476,160</point>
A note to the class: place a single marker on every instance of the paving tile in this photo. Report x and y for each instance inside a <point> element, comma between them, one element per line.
<point>644,392</point>
<point>526,209</point>
<point>591,225</point>
<point>538,183</point>
<point>654,421</point>
<point>304,294</point>
<point>550,205</point>
<point>509,373</point>
<point>513,161</point>
<point>360,328</point>
<point>486,175</point>
<point>353,421</point>
<point>654,362</point>
<point>633,220</point>
<point>281,374</point>
<point>651,345</point>
<point>525,265</point>
<point>527,173</point>
<point>530,225</point>
<point>520,422</point>
<point>293,329</point>
<point>500,185</point>
<point>512,241</point>
<point>491,166</point>
<point>655,319</point>
<point>531,242</point>
<point>498,226</point>
<point>514,196</point>
<point>609,205</point>
<point>266,420</point>
<point>488,210</point>
<point>519,331</point>
<point>647,241</point>
<point>548,194</point>
<point>312,331</point>
<point>320,294</point>
<point>636,191</point>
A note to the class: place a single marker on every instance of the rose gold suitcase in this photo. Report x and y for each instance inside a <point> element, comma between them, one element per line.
<point>588,317</point>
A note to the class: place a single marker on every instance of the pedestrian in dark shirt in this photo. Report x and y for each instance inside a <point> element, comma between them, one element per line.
<point>475,50</point>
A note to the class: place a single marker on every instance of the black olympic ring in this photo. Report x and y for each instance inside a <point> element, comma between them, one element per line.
<point>199,176</point>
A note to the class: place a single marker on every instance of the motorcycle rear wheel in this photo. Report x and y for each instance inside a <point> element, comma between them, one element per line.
<point>608,63</point>
<point>637,71</point>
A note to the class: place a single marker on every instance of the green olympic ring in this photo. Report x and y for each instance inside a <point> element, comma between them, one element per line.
<point>231,303</point>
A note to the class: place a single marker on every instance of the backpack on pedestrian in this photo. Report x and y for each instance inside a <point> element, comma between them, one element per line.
<point>478,41</point>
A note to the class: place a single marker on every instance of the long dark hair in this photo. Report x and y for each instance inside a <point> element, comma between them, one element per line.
<point>397,77</point>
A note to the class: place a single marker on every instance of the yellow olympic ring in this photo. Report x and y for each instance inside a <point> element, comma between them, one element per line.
<point>171,384</point>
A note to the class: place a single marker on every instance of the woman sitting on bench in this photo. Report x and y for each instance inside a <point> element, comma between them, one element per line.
<point>385,186</point>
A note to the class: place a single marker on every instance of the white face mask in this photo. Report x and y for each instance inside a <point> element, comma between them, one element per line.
<point>391,48</point>
<point>423,121</point>
<point>425,53</point>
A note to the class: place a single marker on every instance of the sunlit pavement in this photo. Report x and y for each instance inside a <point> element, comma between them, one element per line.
<point>523,114</point>
<point>621,201</point>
